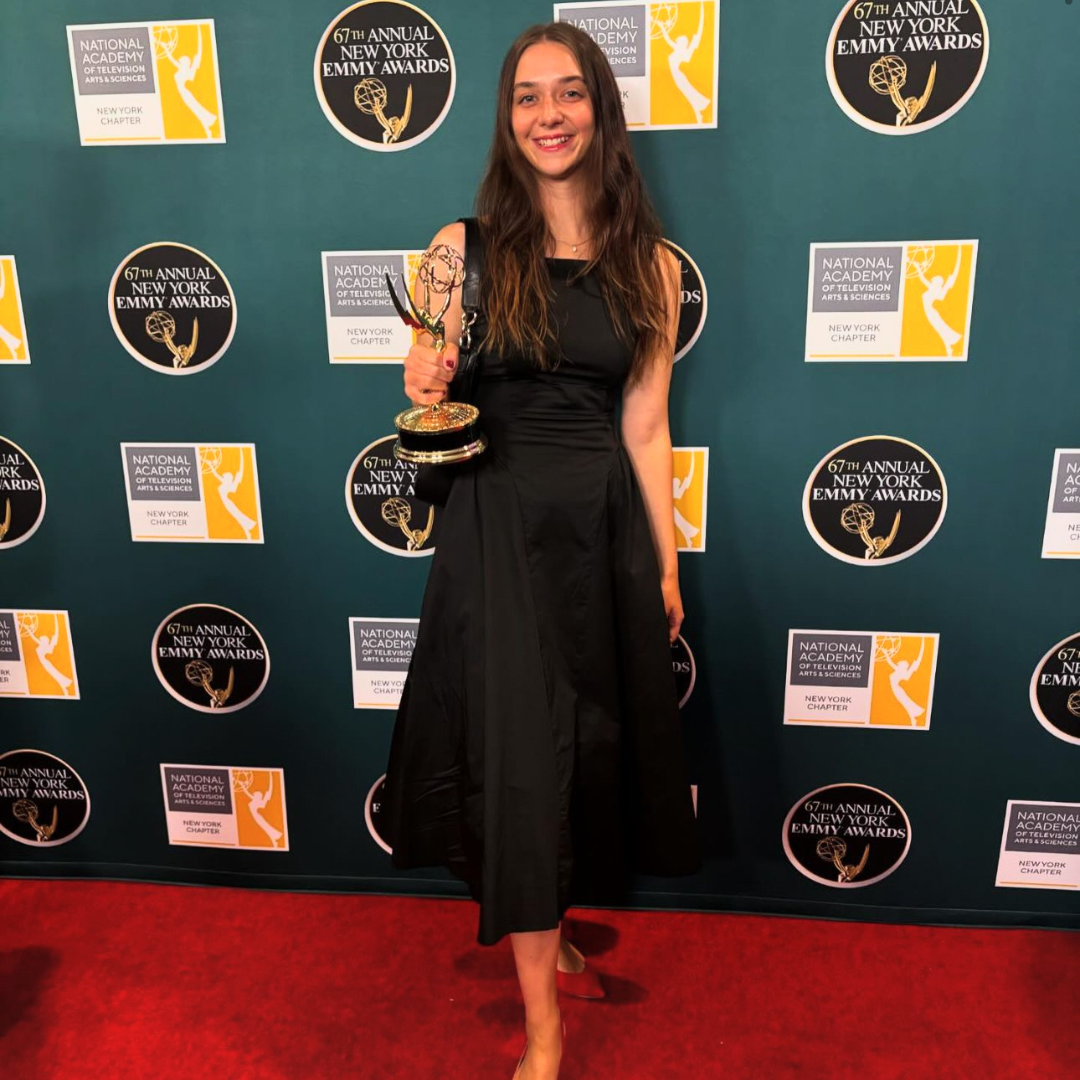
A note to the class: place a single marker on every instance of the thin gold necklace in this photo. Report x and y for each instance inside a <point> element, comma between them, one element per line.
<point>572,247</point>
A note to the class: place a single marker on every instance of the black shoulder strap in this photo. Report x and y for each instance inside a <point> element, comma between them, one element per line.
<point>474,265</point>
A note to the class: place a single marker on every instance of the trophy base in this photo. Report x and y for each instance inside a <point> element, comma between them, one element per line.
<point>442,435</point>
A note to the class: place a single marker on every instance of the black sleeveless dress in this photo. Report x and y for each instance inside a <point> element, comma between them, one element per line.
<point>537,751</point>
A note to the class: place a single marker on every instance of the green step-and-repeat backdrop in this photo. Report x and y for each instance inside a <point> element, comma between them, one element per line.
<point>211,564</point>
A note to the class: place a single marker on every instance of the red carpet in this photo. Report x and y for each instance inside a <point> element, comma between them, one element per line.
<point>119,981</point>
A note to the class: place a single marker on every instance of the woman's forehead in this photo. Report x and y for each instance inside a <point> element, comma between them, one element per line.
<point>546,61</point>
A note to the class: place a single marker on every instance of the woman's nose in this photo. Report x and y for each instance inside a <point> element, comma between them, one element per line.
<point>550,112</point>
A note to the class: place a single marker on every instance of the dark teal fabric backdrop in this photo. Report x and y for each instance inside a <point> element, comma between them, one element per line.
<point>785,168</point>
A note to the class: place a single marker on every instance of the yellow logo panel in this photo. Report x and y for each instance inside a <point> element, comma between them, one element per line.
<point>187,75</point>
<point>260,808</point>
<point>937,300</point>
<point>36,655</point>
<point>13,347</point>
<point>903,681</point>
<point>230,492</point>
<point>689,490</point>
<point>683,42</point>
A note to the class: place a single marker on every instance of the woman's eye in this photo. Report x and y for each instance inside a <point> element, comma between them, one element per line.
<point>525,99</point>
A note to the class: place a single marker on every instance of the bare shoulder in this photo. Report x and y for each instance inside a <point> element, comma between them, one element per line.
<point>453,235</point>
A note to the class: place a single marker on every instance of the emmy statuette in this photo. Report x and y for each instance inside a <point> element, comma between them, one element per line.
<point>446,431</point>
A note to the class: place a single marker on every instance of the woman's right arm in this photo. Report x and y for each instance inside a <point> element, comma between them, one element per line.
<point>427,372</point>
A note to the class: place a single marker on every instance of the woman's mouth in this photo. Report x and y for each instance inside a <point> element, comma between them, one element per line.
<point>552,143</point>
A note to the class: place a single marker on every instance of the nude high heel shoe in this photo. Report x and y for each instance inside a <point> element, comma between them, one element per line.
<point>521,1059</point>
<point>582,984</point>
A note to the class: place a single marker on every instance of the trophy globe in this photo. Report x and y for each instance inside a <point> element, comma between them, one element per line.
<point>166,39</point>
<point>857,518</point>
<point>242,780</point>
<point>886,649</point>
<point>1073,703</point>
<point>198,673</point>
<point>831,848</point>
<point>662,19</point>
<point>918,259</point>
<point>369,96</point>
<point>25,810</point>
<point>28,624</point>
<point>210,459</point>
<point>888,74</point>
<point>396,512</point>
<point>160,326</point>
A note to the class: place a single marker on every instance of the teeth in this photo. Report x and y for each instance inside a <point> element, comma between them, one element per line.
<point>555,141</point>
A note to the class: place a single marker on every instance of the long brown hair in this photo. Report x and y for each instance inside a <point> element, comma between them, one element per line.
<point>625,230</point>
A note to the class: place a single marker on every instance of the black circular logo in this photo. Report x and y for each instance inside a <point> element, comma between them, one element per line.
<point>22,495</point>
<point>210,658</point>
<point>172,308</point>
<point>846,835</point>
<point>380,493</point>
<point>43,801</point>
<point>694,303</point>
<point>373,813</point>
<point>874,500</point>
<point>897,67</point>
<point>384,74</point>
<point>682,664</point>
<point>1055,690</point>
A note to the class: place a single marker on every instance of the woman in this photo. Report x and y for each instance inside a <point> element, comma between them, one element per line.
<point>537,750</point>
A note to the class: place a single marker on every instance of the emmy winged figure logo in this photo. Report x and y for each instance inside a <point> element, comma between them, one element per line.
<point>200,673</point>
<point>26,810</point>
<point>833,849</point>
<point>11,341</point>
<point>44,646</point>
<point>242,783</point>
<point>370,97</point>
<point>888,76</point>
<point>5,523</point>
<point>161,327</point>
<point>661,24</point>
<point>166,45</point>
<point>398,513</point>
<point>858,518</point>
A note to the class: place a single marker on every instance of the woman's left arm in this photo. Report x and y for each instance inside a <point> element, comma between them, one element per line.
<point>647,438</point>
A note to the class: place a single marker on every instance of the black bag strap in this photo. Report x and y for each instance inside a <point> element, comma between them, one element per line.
<point>474,265</point>
<point>470,289</point>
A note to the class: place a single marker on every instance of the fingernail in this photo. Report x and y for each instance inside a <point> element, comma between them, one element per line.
<point>451,364</point>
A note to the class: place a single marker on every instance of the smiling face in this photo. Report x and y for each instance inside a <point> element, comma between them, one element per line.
<point>551,114</point>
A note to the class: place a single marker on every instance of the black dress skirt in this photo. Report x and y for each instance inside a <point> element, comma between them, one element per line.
<point>537,752</point>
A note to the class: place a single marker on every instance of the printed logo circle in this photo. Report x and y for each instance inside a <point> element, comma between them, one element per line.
<point>846,835</point>
<point>695,303</point>
<point>380,493</point>
<point>172,308</point>
<point>43,800</point>
<point>682,664</point>
<point>898,67</point>
<point>384,74</point>
<point>22,495</point>
<point>210,658</point>
<point>874,500</point>
<point>1055,690</point>
<point>373,813</point>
